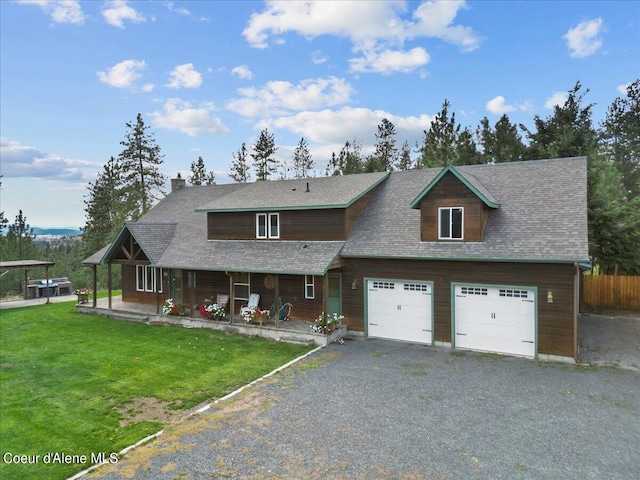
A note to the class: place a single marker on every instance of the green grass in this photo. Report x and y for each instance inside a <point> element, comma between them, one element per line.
<point>69,381</point>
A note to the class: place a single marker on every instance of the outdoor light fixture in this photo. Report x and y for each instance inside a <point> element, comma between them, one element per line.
<point>354,284</point>
<point>549,296</point>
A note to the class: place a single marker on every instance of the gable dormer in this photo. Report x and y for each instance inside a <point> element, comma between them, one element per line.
<point>454,207</point>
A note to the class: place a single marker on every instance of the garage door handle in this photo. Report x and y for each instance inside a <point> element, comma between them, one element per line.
<point>463,334</point>
<point>527,341</point>
<point>374,324</point>
<point>531,301</point>
<point>426,330</point>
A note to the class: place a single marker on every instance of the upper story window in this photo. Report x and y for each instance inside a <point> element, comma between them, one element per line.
<point>268,225</point>
<point>450,223</point>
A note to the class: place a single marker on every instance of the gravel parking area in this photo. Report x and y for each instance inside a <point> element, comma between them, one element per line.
<point>374,409</point>
<point>610,339</point>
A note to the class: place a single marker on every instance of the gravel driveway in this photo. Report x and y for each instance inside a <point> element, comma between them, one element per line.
<point>375,409</point>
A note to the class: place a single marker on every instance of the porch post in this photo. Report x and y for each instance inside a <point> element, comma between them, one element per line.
<point>276,300</point>
<point>46,272</point>
<point>95,286</point>
<point>26,285</point>
<point>232,301</point>
<point>109,283</point>
<point>159,272</point>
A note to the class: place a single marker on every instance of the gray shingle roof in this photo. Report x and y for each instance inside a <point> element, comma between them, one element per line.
<point>542,215</point>
<point>324,192</point>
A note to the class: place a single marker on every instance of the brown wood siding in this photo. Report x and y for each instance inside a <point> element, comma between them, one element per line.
<point>451,192</point>
<point>556,321</point>
<point>310,225</point>
<point>231,226</point>
<point>328,224</point>
<point>291,290</point>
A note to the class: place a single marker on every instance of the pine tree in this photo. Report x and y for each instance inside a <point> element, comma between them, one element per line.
<point>500,144</point>
<point>621,138</point>
<point>105,213</point>
<point>350,158</point>
<point>199,174</point>
<point>263,155</point>
<point>302,161</point>
<point>3,220</point>
<point>140,161</point>
<point>567,133</point>
<point>446,143</point>
<point>386,153</point>
<point>239,167</point>
<point>404,159</point>
<point>18,245</point>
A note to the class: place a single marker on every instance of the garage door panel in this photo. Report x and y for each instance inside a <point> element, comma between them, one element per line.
<point>495,319</point>
<point>400,310</point>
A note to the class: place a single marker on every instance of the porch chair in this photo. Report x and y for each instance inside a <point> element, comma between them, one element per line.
<point>252,305</point>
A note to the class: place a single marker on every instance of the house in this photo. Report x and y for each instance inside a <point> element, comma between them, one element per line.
<point>482,257</point>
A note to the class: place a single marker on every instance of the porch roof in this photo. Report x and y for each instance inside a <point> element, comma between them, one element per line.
<point>281,257</point>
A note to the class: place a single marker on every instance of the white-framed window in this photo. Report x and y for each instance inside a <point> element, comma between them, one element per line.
<point>261,225</point>
<point>267,225</point>
<point>274,225</point>
<point>450,223</point>
<point>309,287</point>
<point>148,278</point>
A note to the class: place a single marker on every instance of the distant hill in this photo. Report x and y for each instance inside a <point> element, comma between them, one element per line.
<point>58,232</point>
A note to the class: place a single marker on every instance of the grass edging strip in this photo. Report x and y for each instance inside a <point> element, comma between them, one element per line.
<point>126,450</point>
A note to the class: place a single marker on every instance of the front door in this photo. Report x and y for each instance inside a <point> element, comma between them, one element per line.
<point>334,294</point>
<point>177,288</point>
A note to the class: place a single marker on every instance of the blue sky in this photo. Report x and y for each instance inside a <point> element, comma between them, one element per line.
<point>209,75</point>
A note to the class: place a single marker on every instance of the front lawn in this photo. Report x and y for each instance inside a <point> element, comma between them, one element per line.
<point>82,384</point>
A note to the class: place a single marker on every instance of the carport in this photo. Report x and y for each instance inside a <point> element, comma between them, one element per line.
<point>26,265</point>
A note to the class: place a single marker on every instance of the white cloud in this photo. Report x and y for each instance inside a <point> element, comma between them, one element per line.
<point>116,11</point>
<point>338,126</point>
<point>171,6</point>
<point>389,61</point>
<point>26,161</point>
<point>185,76</point>
<point>623,88</point>
<point>243,72</point>
<point>182,116</point>
<point>60,11</point>
<point>435,18</point>
<point>123,74</point>
<point>558,99</point>
<point>280,97</point>
<point>379,32</point>
<point>584,39</point>
<point>318,57</point>
<point>498,106</point>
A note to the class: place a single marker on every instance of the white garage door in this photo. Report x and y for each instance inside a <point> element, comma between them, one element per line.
<point>400,310</point>
<point>495,319</point>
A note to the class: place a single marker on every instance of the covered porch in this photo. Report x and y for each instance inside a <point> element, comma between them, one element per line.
<point>290,331</point>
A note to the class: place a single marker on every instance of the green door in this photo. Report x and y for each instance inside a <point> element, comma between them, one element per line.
<point>334,294</point>
<point>176,286</point>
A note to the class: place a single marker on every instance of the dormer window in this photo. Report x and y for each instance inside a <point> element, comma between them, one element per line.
<point>450,223</point>
<point>267,225</point>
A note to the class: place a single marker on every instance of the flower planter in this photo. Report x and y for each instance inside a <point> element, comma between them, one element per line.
<point>83,297</point>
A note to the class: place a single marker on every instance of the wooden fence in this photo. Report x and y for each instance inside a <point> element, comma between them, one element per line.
<point>611,291</point>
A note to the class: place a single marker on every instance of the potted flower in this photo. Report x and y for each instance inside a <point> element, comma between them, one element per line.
<point>211,312</point>
<point>326,324</point>
<point>256,316</point>
<point>171,307</point>
<point>83,294</point>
